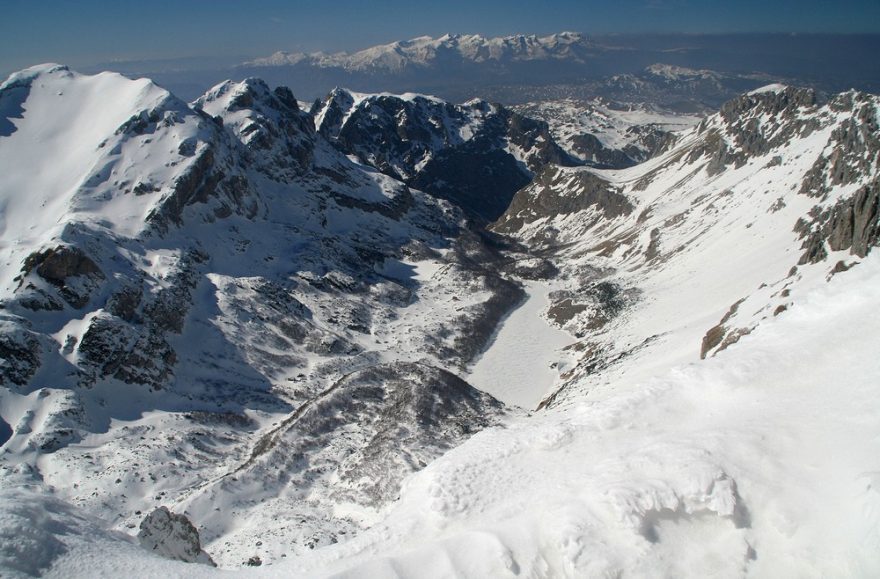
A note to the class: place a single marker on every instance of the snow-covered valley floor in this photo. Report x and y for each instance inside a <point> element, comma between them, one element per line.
<point>516,368</point>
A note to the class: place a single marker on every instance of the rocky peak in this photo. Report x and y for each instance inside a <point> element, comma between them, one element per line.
<point>268,122</point>
<point>772,101</point>
<point>756,123</point>
<point>475,154</point>
<point>330,112</point>
<point>852,153</point>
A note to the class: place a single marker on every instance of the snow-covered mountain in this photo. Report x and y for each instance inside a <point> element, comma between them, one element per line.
<point>476,155</point>
<point>280,326</point>
<point>185,288</point>
<point>518,69</point>
<point>751,207</point>
<point>609,135</point>
<point>449,49</point>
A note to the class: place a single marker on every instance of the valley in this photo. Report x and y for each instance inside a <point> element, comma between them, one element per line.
<point>393,335</point>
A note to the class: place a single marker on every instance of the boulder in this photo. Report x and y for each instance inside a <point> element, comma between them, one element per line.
<point>172,536</point>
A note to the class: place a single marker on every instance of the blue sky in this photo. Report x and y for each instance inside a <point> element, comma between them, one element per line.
<point>83,32</point>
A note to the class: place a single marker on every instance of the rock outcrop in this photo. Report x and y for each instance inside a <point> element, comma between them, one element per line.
<point>172,536</point>
<point>557,192</point>
<point>476,155</point>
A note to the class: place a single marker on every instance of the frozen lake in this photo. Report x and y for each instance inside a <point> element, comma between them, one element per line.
<point>516,367</point>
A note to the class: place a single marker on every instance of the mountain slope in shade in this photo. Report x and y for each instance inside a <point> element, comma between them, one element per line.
<point>476,155</point>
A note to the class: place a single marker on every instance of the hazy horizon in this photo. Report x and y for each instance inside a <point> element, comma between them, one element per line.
<point>90,33</point>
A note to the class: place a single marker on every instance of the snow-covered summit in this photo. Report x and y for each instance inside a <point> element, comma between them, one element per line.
<point>104,151</point>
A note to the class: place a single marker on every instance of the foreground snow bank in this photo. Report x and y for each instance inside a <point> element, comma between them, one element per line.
<point>762,461</point>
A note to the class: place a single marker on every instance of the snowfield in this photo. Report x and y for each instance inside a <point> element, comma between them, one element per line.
<point>523,361</point>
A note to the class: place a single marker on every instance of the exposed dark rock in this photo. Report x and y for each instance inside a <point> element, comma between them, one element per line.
<point>105,344</point>
<point>482,182</point>
<point>167,310</point>
<point>220,418</point>
<point>125,302</point>
<point>419,141</point>
<point>56,265</point>
<point>534,138</point>
<point>840,267</point>
<point>855,146</point>
<point>35,299</point>
<point>720,335</point>
<point>557,192</point>
<point>757,123</point>
<point>654,246</point>
<point>19,354</point>
<point>563,311</point>
<point>172,536</point>
<point>852,223</point>
<point>67,268</point>
<point>204,181</point>
<point>711,340</point>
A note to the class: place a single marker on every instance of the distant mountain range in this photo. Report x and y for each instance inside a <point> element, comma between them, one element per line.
<point>446,50</point>
<point>692,72</point>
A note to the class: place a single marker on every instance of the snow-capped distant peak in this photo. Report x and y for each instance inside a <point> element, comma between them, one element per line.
<point>423,51</point>
<point>770,88</point>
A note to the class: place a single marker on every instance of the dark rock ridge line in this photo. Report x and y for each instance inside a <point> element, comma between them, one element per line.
<point>556,192</point>
<point>461,153</point>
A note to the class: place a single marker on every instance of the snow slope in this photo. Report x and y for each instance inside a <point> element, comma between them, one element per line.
<point>734,467</point>
<point>49,107</point>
